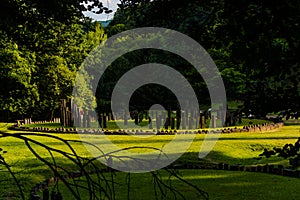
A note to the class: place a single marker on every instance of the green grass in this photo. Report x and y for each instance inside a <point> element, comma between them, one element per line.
<point>292,122</point>
<point>220,185</point>
<point>236,148</point>
<point>246,121</point>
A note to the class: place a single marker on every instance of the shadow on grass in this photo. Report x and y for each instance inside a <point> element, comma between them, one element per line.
<point>244,185</point>
<point>123,139</point>
<point>218,183</point>
<point>100,187</point>
<point>215,157</point>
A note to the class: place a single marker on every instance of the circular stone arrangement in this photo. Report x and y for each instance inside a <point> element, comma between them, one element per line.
<point>250,128</point>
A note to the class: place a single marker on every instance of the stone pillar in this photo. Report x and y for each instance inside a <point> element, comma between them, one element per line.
<point>150,122</point>
<point>203,124</point>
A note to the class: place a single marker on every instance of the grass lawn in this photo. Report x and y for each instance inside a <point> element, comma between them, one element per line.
<point>218,183</point>
<point>292,122</point>
<point>237,148</point>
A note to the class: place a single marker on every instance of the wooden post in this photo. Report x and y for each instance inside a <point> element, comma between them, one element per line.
<point>136,119</point>
<point>78,117</point>
<point>214,121</point>
<point>173,123</point>
<point>158,122</point>
<point>191,122</point>
<point>203,124</point>
<point>100,120</point>
<point>184,121</point>
<point>167,123</point>
<point>104,121</point>
<point>88,120</point>
<point>186,117</point>
<point>197,117</point>
<point>63,112</point>
<point>169,119</point>
<point>163,118</point>
<point>178,119</point>
<point>125,119</point>
<point>84,120</point>
<point>150,122</point>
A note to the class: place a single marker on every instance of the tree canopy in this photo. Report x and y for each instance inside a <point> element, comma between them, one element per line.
<point>254,43</point>
<point>43,44</point>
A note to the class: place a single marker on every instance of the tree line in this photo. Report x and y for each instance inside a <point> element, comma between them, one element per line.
<point>253,43</point>
<point>43,43</point>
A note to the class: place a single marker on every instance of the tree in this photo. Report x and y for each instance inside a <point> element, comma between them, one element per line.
<point>260,39</point>
<point>47,47</point>
<point>63,11</point>
<point>18,93</point>
<point>186,18</point>
<point>263,39</point>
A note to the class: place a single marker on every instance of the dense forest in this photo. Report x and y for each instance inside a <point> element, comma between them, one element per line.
<point>43,44</point>
<point>255,45</point>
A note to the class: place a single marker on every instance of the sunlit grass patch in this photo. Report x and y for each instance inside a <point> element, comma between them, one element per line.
<point>234,148</point>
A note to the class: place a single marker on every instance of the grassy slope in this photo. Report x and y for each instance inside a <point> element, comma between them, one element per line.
<point>240,148</point>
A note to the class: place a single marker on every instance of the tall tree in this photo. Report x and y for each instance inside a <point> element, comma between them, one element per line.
<point>261,38</point>
<point>47,46</point>
<point>19,92</point>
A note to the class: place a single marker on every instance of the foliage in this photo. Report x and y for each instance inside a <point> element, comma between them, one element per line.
<point>19,92</point>
<point>85,98</point>
<point>256,40</point>
<point>15,12</point>
<point>41,51</point>
<point>254,44</point>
